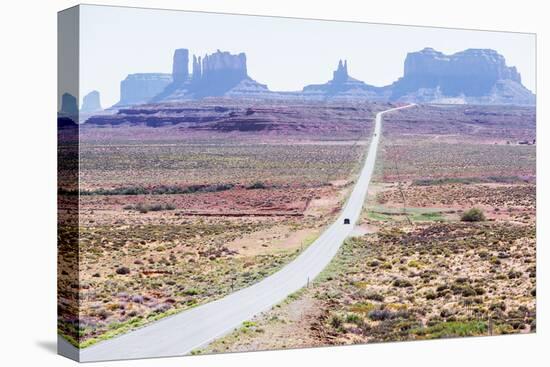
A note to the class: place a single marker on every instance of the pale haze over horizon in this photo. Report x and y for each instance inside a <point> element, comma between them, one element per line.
<point>286,54</point>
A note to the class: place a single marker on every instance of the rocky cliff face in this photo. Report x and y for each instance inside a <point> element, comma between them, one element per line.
<point>470,75</point>
<point>340,75</point>
<point>91,102</point>
<point>473,76</point>
<point>214,75</point>
<point>140,88</point>
<point>180,66</point>
<point>197,68</point>
<point>221,71</point>
<point>483,63</point>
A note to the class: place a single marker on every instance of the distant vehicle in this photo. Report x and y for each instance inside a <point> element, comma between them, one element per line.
<point>346,220</point>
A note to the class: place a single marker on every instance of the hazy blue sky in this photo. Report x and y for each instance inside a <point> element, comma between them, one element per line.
<point>285,54</point>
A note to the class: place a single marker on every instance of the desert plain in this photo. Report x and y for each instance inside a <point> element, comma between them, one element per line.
<point>192,201</point>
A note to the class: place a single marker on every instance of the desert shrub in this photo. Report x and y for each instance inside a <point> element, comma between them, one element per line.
<point>103,314</point>
<point>113,306</point>
<point>446,313</point>
<point>256,185</point>
<point>159,190</point>
<point>473,215</point>
<point>363,308</point>
<point>380,315</point>
<point>501,306</point>
<point>161,308</point>
<point>132,190</point>
<point>156,207</point>
<point>467,180</point>
<point>430,295</point>
<point>374,263</point>
<point>480,291</point>
<point>249,324</point>
<point>137,299</point>
<point>336,321</point>
<point>402,283</point>
<point>464,289</point>
<point>353,318</point>
<point>374,297</point>
<point>453,329</point>
<point>219,187</point>
<point>191,292</point>
<point>442,287</point>
<point>483,254</point>
<point>146,208</point>
<point>513,274</point>
<point>123,270</point>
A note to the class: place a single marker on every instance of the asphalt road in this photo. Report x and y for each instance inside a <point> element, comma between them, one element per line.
<point>192,329</point>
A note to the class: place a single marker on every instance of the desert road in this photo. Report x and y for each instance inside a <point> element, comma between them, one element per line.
<point>182,333</point>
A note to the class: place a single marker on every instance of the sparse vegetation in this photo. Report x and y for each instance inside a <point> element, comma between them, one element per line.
<point>222,208</point>
<point>145,208</point>
<point>256,185</point>
<point>158,190</point>
<point>427,274</point>
<point>473,215</point>
<point>165,227</point>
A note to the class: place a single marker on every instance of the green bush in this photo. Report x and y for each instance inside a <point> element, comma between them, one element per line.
<point>353,318</point>
<point>473,215</point>
<point>453,329</point>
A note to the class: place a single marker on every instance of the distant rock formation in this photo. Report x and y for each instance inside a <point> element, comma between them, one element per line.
<point>180,66</point>
<point>221,71</point>
<point>91,102</point>
<point>197,68</point>
<point>214,75</point>
<point>470,76</point>
<point>140,88</point>
<point>474,76</point>
<point>227,115</point>
<point>68,104</point>
<point>69,107</point>
<point>340,75</point>
<point>345,87</point>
